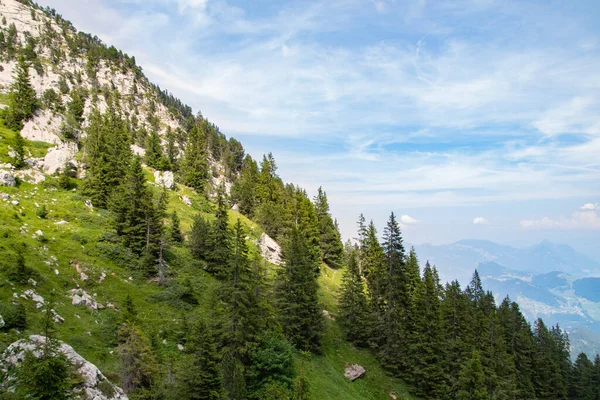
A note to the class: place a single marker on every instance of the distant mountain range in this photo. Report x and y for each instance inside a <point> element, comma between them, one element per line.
<point>548,280</point>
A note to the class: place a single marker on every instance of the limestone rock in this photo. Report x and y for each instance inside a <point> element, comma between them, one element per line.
<point>57,157</point>
<point>93,382</point>
<point>2,323</point>
<point>80,297</point>
<point>165,178</point>
<point>186,200</point>
<point>138,151</point>
<point>43,127</point>
<point>270,249</point>
<point>354,371</point>
<point>31,175</point>
<point>6,179</point>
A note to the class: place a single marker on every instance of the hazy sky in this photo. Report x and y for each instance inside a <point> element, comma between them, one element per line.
<point>469,118</point>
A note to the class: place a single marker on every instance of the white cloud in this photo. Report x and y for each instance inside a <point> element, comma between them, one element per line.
<point>578,220</point>
<point>589,206</point>
<point>480,221</point>
<point>408,220</point>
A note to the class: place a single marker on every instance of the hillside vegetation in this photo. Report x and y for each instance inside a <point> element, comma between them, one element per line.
<point>137,233</point>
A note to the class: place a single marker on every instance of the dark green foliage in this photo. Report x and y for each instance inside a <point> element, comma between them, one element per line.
<point>14,315</point>
<point>201,238</point>
<point>138,366</point>
<point>198,377</point>
<point>20,272</point>
<point>582,381</point>
<point>22,101</point>
<point>296,295</point>
<point>44,378</point>
<point>220,254</point>
<point>41,212</point>
<point>64,180</point>
<point>243,190</point>
<point>19,158</point>
<point>107,156</point>
<point>272,367</point>
<point>353,307</point>
<point>471,385</point>
<point>154,156</point>
<point>330,242</point>
<point>194,166</point>
<point>176,234</point>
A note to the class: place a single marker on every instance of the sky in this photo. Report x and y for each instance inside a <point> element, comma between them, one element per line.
<point>469,119</point>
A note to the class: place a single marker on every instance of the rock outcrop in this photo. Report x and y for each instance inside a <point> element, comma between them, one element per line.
<point>270,249</point>
<point>80,297</point>
<point>93,386</point>
<point>6,179</point>
<point>57,157</point>
<point>354,371</point>
<point>164,178</point>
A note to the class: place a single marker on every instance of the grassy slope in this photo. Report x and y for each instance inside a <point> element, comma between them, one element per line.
<point>83,240</point>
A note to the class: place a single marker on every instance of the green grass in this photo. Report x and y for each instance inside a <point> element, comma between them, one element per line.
<point>4,98</point>
<point>84,239</point>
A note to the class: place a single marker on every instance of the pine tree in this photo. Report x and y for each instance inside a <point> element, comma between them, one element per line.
<point>596,378</point>
<point>22,100</point>
<point>330,242</point>
<point>243,190</point>
<point>199,376</point>
<point>297,300</point>
<point>353,306</point>
<point>154,155</point>
<point>471,385</point>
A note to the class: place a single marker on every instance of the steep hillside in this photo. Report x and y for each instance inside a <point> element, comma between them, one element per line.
<point>60,250</point>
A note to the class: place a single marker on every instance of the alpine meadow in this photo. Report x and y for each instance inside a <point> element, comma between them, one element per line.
<point>146,255</point>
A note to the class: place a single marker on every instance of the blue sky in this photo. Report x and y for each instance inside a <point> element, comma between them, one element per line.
<point>469,118</point>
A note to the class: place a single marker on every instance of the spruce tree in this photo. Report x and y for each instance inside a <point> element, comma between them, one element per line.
<point>194,165</point>
<point>471,385</point>
<point>219,257</point>
<point>582,380</point>
<point>353,306</point>
<point>243,190</point>
<point>176,234</point>
<point>22,100</point>
<point>330,242</point>
<point>154,155</point>
<point>138,365</point>
<point>19,158</point>
<point>427,351</point>
<point>199,376</point>
<point>296,295</point>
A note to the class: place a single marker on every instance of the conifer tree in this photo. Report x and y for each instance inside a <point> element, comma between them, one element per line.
<point>220,256</point>
<point>582,380</point>
<point>427,352</point>
<point>201,240</point>
<point>393,322</point>
<point>471,385</point>
<point>194,166</point>
<point>243,190</point>
<point>154,155</point>
<point>330,242</point>
<point>19,158</point>
<point>199,376</point>
<point>373,268</point>
<point>353,306</point>
<point>22,100</point>
<point>296,295</point>
<point>138,365</point>
<point>176,234</point>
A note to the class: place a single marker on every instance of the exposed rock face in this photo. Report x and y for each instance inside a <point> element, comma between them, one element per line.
<point>270,249</point>
<point>164,178</point>
<point>43,127</point>
<point>57,157</point>
<point>354,371</point>
<point>6,179</point>
<point>94,384</point>
<point>186,200</point>
<point>30,175</point>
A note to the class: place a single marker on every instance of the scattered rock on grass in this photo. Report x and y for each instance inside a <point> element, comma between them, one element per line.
<point>354,371</point>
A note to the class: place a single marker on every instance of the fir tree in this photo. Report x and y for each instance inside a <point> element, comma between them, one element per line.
<point>297,300</point>
<point>138,366</point>
<point>582,380</point>
<point>243,190</point>
<point>22,101</point>
<point>353,306</point>
<point>154,156</point>
<point>219,257</point>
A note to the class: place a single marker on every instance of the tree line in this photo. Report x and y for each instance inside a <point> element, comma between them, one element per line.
<point>448,342</point>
